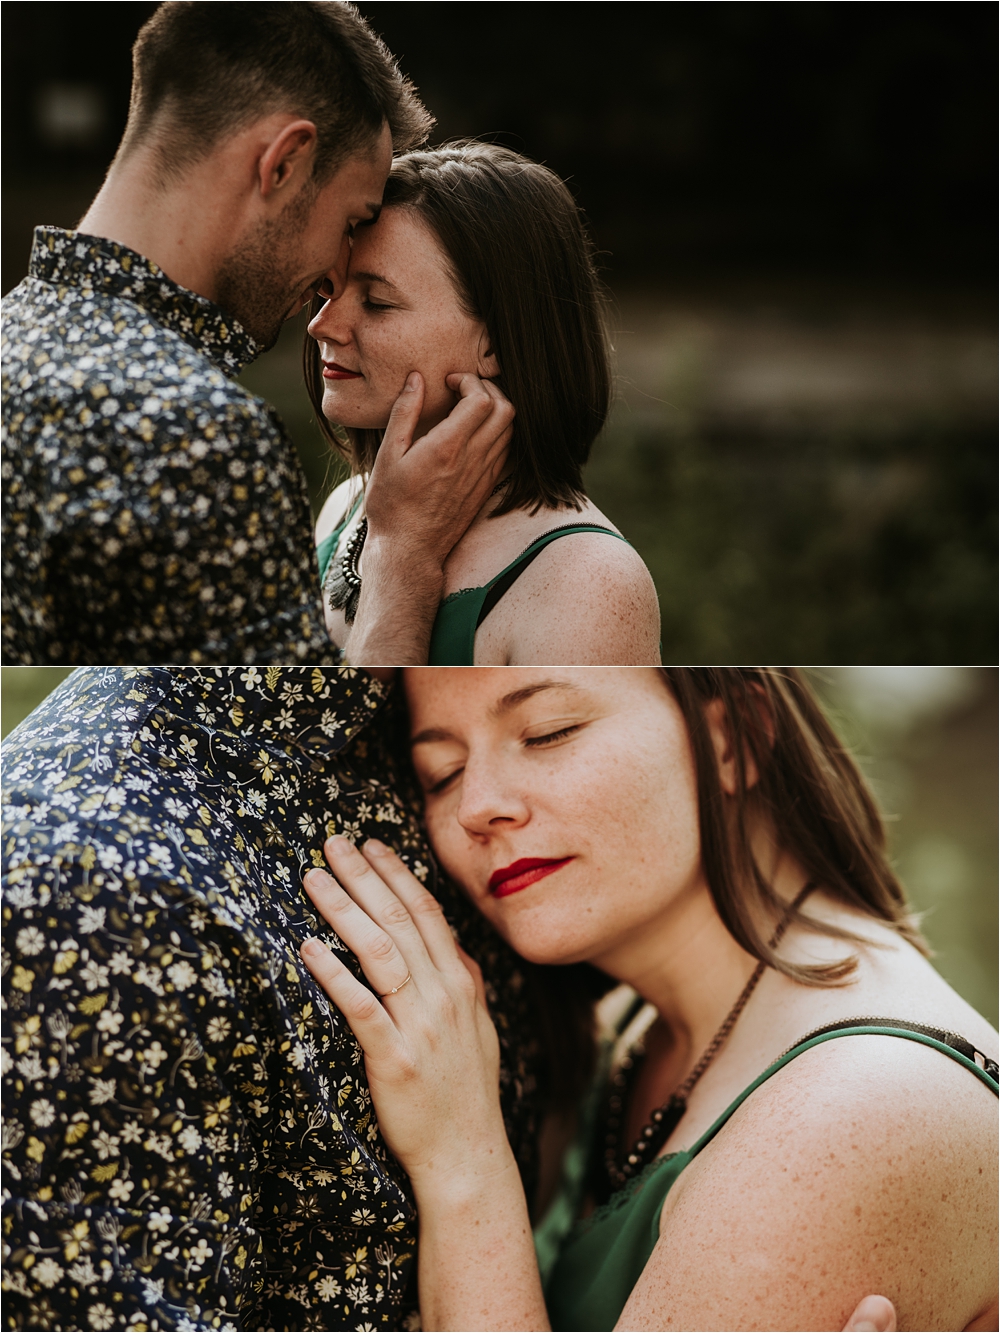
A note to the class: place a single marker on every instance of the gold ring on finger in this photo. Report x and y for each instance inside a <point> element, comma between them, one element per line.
<point>396,989</point>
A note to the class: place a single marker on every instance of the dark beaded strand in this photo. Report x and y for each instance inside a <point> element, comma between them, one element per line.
<point>666,1118</point>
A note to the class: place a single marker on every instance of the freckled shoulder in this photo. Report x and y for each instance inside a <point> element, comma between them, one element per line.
<point>587,599</point>
<point>867,1164</point>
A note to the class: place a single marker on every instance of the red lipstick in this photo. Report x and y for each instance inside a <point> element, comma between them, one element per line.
<point>514,878</point>
<point>331,371</point>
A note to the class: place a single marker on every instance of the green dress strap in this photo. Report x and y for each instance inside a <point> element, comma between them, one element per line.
<point>603,1257</point>
<point>326,549</point>
<point>460,614</point>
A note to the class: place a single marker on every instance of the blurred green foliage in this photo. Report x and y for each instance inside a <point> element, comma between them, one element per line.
<point>927,741</point>
<point>22,689</point>
<point>847,549</point>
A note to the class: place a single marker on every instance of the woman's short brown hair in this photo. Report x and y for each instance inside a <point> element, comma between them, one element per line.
<point>522,263</point>
<point>811,791</point>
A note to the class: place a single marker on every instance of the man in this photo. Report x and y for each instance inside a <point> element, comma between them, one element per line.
<point>154,510</point>
<point>189,1134</point>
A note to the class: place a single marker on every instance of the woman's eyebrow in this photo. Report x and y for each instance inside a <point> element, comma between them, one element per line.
<point>373,277</point>
<point>504,705</point>
<point>516,697</point>
<point>430,735</point>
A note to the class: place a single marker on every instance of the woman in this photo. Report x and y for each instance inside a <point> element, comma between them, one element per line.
<point>702,836</point>
<point>479,264</point>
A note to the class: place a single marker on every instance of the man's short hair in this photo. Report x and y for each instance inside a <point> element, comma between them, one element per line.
<point>203,70</point>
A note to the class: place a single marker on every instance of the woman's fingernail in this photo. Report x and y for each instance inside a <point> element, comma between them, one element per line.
<point>411,381</point>
<point>375,847</point>
<point>339,843</point>
<point>312,947</point>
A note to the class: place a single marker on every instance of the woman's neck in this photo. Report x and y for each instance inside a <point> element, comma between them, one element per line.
<point>688,966</point>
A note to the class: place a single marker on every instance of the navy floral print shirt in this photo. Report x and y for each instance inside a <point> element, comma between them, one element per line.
<point>189,1139</point>
<point>154,510</point>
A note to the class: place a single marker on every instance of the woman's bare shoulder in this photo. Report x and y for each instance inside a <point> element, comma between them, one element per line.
<point>587,599</point>
<point>866,1164</point>
<point>336,506</point>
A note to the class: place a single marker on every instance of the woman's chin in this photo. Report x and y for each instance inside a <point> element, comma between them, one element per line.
<point>552,947</point>
<point>340,411</point>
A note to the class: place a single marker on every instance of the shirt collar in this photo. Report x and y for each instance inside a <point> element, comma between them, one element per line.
<point>93,262</point>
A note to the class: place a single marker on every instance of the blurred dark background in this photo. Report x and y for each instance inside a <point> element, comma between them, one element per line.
<point>794,205</point>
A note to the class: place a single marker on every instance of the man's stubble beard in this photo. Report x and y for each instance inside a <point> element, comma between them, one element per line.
<point>259,281</point>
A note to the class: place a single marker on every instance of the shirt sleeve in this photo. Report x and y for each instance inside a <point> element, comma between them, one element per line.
<point>129,1059</point>
<point>194,545</point>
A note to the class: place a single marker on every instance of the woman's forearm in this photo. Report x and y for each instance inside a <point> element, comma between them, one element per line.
<point>477,1266</point>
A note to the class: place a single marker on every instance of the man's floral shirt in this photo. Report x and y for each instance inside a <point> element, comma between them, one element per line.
<point>189,1139</point>
<point>154,510</point>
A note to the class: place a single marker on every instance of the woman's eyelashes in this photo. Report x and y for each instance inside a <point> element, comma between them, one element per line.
<point>551,737</point>
<point>434,784</point>
<point>440,784</point>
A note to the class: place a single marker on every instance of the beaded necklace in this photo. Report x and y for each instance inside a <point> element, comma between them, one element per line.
<point>618,1170</point>
<point>343,585</point>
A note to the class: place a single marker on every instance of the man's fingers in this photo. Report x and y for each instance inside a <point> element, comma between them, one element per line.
<point>366,1017</point>
<point>468,385</point>
<point>875,1314</point>
<point>466,418</point>
<point>405,414</point>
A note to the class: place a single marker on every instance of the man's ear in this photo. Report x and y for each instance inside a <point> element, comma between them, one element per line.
<point>717,721</point>
<point>488,367</point>
<point>287,157</point>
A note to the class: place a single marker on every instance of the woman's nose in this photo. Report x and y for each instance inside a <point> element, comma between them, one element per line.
<point>490,800</point>
<point>332,323</point>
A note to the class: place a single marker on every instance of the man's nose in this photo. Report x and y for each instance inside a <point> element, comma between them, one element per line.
<point>335,279</point>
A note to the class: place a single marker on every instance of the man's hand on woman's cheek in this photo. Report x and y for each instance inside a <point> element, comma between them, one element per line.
<point>425,493</point>
<point>420,499</point>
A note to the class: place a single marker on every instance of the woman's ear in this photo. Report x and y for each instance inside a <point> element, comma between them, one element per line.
<point>488,367</point>
<point>717,721</point>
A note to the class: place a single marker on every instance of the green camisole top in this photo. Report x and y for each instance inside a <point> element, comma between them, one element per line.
<point>453,638</point>
<point>603,1256</point>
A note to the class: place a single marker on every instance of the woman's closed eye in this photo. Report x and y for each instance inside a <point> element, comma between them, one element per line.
<point>551,737</point>
<point>369,304</point>
<point>441,784</point>
<point>434,785</point>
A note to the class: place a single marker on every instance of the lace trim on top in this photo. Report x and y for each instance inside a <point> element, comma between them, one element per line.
<point>625,1195</point>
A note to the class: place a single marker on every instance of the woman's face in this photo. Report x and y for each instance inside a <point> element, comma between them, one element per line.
<point>399,312</point>
<point>564,802</point>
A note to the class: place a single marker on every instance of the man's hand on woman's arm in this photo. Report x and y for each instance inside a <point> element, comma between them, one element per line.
<point>420,500</point>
